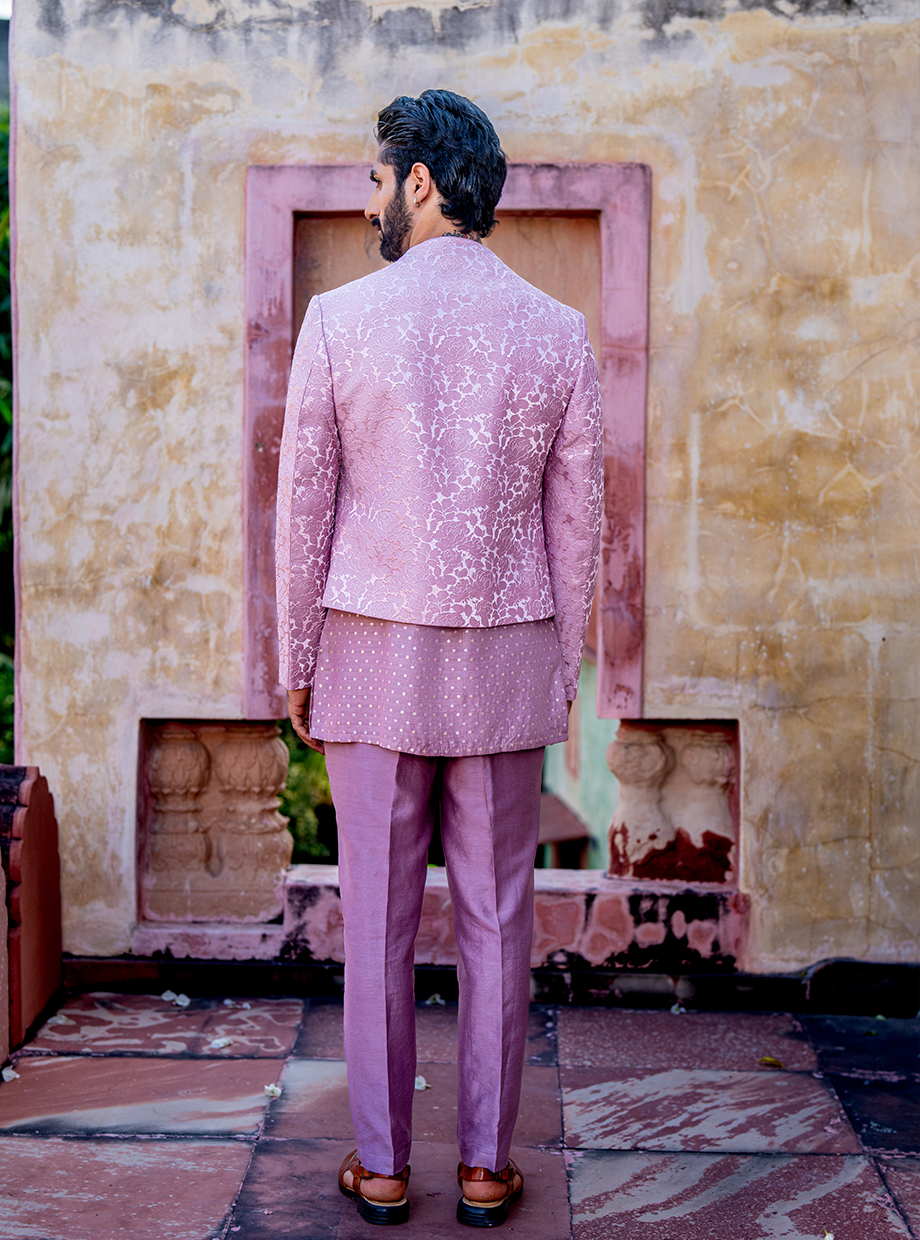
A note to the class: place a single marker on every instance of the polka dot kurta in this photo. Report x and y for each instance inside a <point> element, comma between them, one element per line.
<point>439,692</point>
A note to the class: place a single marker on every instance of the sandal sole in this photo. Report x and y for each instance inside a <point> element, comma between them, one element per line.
<point>477,1215</point>
<point>379,1215</point>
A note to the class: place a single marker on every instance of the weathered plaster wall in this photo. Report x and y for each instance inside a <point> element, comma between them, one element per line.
<point>782,478</point>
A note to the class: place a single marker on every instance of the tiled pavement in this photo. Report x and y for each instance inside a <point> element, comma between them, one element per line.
<point>132,1117</point>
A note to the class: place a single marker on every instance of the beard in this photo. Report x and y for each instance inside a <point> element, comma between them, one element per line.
<point>394,225</point>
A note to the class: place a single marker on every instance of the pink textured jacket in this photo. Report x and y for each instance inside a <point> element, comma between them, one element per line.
<point>441,462</point>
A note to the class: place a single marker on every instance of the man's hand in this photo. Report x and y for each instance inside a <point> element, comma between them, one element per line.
<point>298,701</point>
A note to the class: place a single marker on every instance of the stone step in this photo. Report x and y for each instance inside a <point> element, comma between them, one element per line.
<point>583,920</point>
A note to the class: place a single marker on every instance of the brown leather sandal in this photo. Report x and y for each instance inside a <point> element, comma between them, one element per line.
<point>381,1212</point>
<point>488,1213</point>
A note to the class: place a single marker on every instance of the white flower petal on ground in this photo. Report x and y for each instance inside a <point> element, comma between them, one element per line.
<point>421,1083</point>
<point>273,1091</point>
<point>219,1043</point>
<point>61,1019</point>
<point>182,1000</point>
<point>10,1074</point>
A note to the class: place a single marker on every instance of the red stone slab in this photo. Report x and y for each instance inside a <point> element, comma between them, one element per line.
<point>435,1032</point>
<point>885,1114</point>
<point>870,1047</point>
<point>123,1095</point>
<point>903,1178</point>
<point>314,1104</point>
<point>539,1121</point>
<point>622,1039</point>
<point>728,1197</point>
<point>320,1034</point>
<point>290,1191</point>
<point>681,1109</point>
<point>542,1028</point>
<point>148,1025</point>
<point>110,1190</point>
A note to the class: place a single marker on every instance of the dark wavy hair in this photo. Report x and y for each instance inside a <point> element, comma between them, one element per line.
<point>458,145</point>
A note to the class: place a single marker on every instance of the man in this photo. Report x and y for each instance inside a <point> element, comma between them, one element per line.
<point>439,505</point>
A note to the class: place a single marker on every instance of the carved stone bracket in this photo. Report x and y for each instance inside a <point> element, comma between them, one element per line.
<point>678,801</point>
<point>217,848</point>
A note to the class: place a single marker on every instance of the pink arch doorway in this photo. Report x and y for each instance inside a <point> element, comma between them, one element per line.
<point>613,203</point>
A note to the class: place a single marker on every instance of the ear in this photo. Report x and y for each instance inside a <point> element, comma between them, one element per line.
<point>420,185</point>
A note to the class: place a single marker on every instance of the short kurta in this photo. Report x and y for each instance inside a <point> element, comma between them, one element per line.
<point>439,692</point>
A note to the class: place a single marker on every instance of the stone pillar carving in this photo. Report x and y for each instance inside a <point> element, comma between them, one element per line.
<point>696,797</point>
<point>219,847</point>
<point>675,818</point>
<point>641,760</point>
<point>251,846</point>
<point>177,770</point>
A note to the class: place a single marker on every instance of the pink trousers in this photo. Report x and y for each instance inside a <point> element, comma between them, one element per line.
<point>385,805</point>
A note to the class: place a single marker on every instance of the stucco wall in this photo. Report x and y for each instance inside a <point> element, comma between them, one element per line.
<point>782,571</point>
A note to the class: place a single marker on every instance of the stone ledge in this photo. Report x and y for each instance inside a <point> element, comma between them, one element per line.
<point>208,940</point>
<point>583,920</point>
<point>851,987</point>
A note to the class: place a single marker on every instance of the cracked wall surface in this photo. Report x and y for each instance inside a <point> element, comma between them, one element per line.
<point>782,477</point>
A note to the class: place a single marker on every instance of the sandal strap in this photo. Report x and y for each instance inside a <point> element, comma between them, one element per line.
<point>361,1173</point>
<point>473,1174</point>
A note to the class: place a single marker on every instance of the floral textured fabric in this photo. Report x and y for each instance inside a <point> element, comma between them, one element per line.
<point>441,462</point>
<point>438,692</point>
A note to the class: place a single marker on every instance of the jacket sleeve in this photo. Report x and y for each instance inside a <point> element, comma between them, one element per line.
<point>308,474</point>
<point>573,491</point>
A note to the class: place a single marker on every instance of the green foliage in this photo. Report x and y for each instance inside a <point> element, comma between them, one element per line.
<point>6,709</point>
<point>306,792</point>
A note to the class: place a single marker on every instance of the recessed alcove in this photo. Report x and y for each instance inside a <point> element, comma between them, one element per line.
<point>212,846</point>
<point>677,815</point>
<point>579,231</point>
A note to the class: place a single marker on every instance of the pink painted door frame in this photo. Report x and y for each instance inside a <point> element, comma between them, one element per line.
<point>620,196</point>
